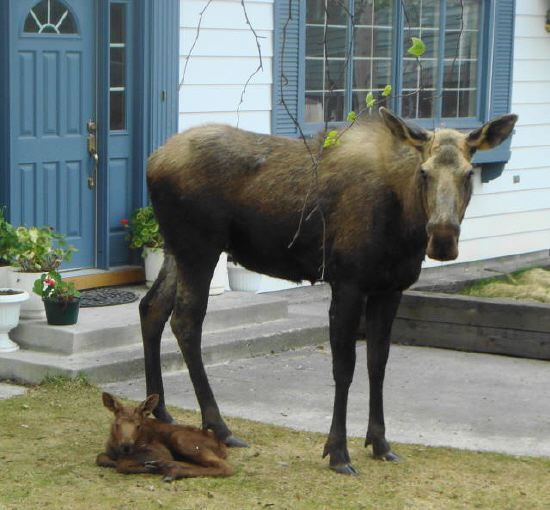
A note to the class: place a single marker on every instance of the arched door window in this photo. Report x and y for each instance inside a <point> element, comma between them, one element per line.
<point>50,17</point>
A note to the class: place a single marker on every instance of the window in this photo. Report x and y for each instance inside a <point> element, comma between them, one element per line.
<point>345,59</point>
<point>50,17</point>
<point>117,62</point>
<point>466,90</point>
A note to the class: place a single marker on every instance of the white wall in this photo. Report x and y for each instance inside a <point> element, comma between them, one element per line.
<point>507,218</point>
<point>222,60</point>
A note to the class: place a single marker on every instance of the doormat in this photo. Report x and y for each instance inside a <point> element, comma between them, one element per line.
<point>106,297</point>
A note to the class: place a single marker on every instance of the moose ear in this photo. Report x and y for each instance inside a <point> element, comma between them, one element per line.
<point>111,402</point>
<point>149,404</point>
<point>492,133</point>
<point>407,132</point>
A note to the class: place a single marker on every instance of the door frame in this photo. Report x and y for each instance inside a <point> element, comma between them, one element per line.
<point>155,105</point>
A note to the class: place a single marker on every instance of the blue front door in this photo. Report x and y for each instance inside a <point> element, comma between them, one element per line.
<point>52,99</point>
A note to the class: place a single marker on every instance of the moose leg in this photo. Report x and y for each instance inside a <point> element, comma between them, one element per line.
<point>381,310</point>
<point>189,310</point>
<point>154,310</point>
<point>345,312</point>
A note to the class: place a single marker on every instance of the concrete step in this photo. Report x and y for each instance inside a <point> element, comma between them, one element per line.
<point>126,362</point>
<point>112,327</point>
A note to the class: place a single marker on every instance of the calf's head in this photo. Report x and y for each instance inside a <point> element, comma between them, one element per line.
<point>126,426</point>
<point>444,173</point>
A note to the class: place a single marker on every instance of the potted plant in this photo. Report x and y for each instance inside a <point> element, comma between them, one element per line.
<point>61,299</point>
<point>10,304</point>
<point>38,250</point>
<point>143,232</point>
<point>8,243</point>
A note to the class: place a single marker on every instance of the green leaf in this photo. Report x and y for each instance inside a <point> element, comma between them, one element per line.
<point>387,91</point>
<point>370,100</point>
<point>352,116</point>
<point>331,139</point>
<point>417,48</point>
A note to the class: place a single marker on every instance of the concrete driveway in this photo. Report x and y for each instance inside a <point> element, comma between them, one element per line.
<point>432,396</point>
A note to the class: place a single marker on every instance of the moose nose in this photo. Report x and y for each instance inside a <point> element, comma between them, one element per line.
<point>443,228</point>
<point>126,448</point>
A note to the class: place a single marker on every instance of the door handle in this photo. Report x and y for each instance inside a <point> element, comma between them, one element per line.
<point>92,150</point>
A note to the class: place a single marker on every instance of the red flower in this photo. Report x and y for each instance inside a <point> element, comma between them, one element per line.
<point>49,282</point>
<point>124,222</point>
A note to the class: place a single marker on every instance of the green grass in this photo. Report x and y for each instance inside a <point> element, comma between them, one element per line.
<point>525,285</point>
<point>49,439</point>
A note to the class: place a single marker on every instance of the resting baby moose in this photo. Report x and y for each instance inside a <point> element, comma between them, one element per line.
<point>139,444</point>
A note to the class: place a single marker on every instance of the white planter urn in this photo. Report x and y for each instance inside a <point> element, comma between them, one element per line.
<point>33,307</point>
<point>10,305</point>
<point>243,279</point>
<point>4,272</point>
<point>154,258</point>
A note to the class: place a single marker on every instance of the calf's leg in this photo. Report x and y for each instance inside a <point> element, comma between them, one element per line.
<point>154,310</point>
<point>344,315</point>
<point>381,310</point>
<point>193,284</point>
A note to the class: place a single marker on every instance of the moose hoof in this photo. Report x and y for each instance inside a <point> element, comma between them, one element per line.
<point>235,442</point>
<point>389,456</point>
<point>344,469</point>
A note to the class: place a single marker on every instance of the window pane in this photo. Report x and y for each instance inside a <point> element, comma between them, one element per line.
<point>337,42</point>
<point>382,42</point>
<point>450,104</point>
<point>336,12</point>
<point>117,66</point>
<point>314,74</point>
<point>314,108</point>
<point>362,42</point>
<point>467,100</point>
<point>383,13</point>
<point>118,63</point>
<point>117,110</point>
<point>381,73</point>
<point>334,107</point>
<point>314,41</point>
<point>364,11</point>
<point>336,74</point>
<point>117,23</point>
<point>50,17</point>
<point>362,74</point>
<point>468,74</point>
<point>315,10</point>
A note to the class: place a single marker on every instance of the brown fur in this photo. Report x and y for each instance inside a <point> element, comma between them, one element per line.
<point>138,444</point>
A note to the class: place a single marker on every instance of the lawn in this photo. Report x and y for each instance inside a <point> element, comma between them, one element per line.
<point>528,285</point>
<point>50,437</point>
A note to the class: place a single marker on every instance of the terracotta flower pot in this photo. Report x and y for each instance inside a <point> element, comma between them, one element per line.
<point>62,313</point>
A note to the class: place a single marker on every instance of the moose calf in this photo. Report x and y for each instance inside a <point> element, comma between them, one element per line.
<point>139,444</point>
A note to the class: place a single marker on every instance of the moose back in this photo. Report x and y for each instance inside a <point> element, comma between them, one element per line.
<point>363,217</point>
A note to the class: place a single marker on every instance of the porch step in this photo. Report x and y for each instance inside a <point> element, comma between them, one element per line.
<point>126,362</point>
<point>112,327</point>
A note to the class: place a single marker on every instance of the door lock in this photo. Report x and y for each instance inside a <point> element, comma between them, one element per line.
<point>92,151</point>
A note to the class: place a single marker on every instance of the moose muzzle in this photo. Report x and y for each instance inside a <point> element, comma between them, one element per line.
<point>443,240</point>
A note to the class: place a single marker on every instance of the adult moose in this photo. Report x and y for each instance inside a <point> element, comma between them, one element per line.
<point>390,192</point>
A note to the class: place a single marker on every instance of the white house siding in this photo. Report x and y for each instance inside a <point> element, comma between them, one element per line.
<point>507,218</point>
<point>224,57</point>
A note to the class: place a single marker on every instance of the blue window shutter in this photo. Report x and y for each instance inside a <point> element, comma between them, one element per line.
<point>501,84</point>
<point>163,71</point>
<point>286,66</point>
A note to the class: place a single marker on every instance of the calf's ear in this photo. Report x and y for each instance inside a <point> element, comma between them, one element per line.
<point>111,402</point>
<point>149,404</point>
<point>492,133</point>
<point>406,131</point>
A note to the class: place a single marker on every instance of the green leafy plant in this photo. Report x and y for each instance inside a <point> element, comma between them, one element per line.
<point>370,100</point>
<point>40,249</point>
<point>387,90</point>
<point>50,286</point>
<point>8,240</point>
<point>143,229</point>
<point>417,48</point>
